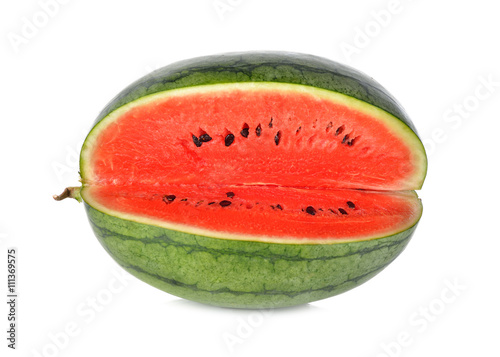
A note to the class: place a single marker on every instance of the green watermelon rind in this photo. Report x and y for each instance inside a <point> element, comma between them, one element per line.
<point>242,274</point>
<point>264,66</point>
<point>268,66</point>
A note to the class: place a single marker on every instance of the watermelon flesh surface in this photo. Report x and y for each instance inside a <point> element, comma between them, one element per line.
<point>267,162</point>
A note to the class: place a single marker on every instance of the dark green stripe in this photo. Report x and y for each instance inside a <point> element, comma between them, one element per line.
<point>165,240</point>
<point>264,292</point>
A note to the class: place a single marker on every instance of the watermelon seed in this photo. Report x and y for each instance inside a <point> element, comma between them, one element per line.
<point>329,126</point>
<point>271,123</point>
<point>351,205</point>
<point>311,210</point>
<point>184,200</point>
<point>230,194</point>
<point>196,141</point>
<point>277,138</point>
<point>343,211</point>
<point>278,206</point>
<point>346,137</point>
<point>199,203</point>
<point>332,211</point>
<point>168,199</point>
<point>229,139</point>
<point>258,130</point>
<point>320,209</point>
<point>210,203</point>
<point>205,138</point>
<point>339,130</point>
<point>224,203</point>
<point>244,132</point>
<point>351,142</point>
<point>298,130</point>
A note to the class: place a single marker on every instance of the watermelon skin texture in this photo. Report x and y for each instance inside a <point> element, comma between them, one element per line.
<point>242,274</point>
<point>281,67</point>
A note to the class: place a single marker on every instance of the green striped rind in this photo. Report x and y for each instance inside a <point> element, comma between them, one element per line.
<point>283,67</point>
<point>242,274</point>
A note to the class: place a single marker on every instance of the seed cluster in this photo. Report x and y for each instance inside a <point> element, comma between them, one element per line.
<point>346,139</point>
<point>168,199</point>
<point>229,138</point>
<point>312,211</point>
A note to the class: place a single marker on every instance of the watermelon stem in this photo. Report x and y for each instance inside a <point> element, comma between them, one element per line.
<point>71,192</point>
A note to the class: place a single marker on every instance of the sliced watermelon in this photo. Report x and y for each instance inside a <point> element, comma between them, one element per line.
<point>253,179</point>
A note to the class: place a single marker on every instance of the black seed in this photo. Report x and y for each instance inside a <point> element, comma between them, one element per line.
<point>225,203</point>
<point>229,139</point>
<point>205,138</point>
<point>168,198</point>
<point>329,126</point>
<point>277,138</point>
<point>199,203</point>
<point>346,137</point>
<point>339,130</point>
<point>343,211</point>
<point>351,142</point>
<point>332,211</point>
<point>196,141</point>
<point>230,194</point>
<point>244,132</point>
<point>311,210</point>
<point>298,130</point>
<point>210,203</point>
<point>278,206</point>
<point>351,205</point>
<point>271,123</point>
<point>273,207</point>
<point>258,130</point>
<point>320,209</point>
<point>184,199</point>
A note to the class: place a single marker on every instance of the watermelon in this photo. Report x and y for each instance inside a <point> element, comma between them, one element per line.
<point>254,179</point>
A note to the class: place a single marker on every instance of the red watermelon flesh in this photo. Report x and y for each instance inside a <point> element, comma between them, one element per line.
<point>247,161</point>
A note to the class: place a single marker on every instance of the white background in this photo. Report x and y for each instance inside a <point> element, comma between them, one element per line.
<point>61,64</point>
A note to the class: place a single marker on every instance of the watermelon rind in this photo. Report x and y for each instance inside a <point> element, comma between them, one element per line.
<point>263,66</point>
<point>242,274</point>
